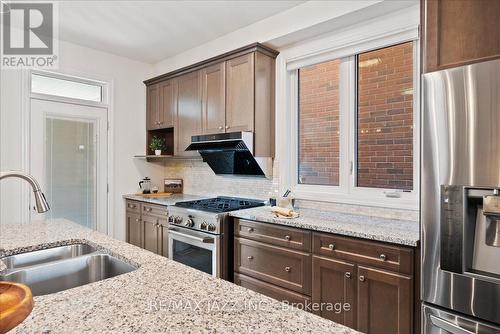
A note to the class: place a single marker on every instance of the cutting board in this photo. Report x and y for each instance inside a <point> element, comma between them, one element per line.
<point>155,195</point>
<point>16,303</point>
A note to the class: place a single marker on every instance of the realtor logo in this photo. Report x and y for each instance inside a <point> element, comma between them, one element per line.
<point>28,34</point>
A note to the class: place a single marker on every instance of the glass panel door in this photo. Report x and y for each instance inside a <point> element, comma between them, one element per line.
<point>70,168</point>
<point>69,158</point>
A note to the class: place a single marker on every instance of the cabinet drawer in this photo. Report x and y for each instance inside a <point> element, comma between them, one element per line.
<point>154,210</point>
<point>133,206</point>
<point>276,235</point>
<point>384,256</point>
<point>285,268</point>
<point>270,290</point>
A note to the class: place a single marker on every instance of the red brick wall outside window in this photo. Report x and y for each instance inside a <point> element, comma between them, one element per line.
<point>384,122</point>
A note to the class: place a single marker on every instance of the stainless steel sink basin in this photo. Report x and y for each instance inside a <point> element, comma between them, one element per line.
<point>69,273</point>
<point>47,255</point>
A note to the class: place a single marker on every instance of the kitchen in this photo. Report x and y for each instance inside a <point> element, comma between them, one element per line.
<point>241,166</point>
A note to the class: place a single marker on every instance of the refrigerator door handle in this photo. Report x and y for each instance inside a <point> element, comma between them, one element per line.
<point>448,326</point>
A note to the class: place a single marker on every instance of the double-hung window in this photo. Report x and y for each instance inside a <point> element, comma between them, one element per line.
<point>354,122</point>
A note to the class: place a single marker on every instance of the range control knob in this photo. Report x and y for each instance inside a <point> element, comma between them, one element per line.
<point>178,220</point>
<point>211,227</point>
<point>189,223</point>
<point>204,225</point>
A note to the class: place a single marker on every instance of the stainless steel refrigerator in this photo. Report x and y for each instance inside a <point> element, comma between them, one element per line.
<point>460,200</point>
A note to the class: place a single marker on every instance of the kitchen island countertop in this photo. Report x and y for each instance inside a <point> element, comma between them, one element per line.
<point>161,296</point>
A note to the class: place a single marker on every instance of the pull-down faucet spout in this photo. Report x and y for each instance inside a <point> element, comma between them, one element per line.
<point>40,200</point>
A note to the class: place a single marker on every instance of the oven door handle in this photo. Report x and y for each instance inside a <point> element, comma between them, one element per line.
<point>205,240</point>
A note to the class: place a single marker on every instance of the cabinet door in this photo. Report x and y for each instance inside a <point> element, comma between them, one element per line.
<point>459,32</point>
<point>385,302</point>
<point>213,80</point>
<point>240,93</point>
<point>333,283</point>
<point>163,237</point>
<point>167,104</point>
<point>134,228</point>
<point>150,233</point>
<point>152,107</point>
<point>188,111</point>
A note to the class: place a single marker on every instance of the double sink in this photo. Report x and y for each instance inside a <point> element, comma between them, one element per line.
<point>64,267</point>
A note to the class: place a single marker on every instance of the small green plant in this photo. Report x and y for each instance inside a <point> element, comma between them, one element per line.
<point>157,143</point>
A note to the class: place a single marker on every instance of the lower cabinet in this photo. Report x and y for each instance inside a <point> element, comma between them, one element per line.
<point>147,227</point>
<point>334,289</point>
<point>385,301</point>
<point>365,285</point>
<point>134,229</point>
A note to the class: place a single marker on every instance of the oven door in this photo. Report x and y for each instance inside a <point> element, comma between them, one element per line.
<point>195,249</point>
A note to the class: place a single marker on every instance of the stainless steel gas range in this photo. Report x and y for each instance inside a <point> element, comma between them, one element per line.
<point>200,233</point>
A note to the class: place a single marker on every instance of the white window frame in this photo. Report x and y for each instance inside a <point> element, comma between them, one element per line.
<point>384,32</point>
<point>104,89</point>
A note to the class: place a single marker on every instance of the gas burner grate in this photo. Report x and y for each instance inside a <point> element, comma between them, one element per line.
<point>220,204</point>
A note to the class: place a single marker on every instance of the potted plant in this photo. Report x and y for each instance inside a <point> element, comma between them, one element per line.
<point>157,144</point>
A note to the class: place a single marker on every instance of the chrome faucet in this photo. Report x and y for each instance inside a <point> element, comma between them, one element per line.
<point>40,201</point>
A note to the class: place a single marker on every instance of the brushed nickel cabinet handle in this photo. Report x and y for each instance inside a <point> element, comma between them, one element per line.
<point>383,257</point>
<point>250,257</point>
<point>147,209</point>
<point>137,219</point>
<point>288,269</point>
<point>331,246</point>
<point>288,238</point>
<point>250,229</point>
<point>362,278</point>
<point>348,275</point>
<point>227,127</point>
<point>221,127</point>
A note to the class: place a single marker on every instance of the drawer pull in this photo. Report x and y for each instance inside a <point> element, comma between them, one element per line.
<point>147,209</point>
<point>383,257</point>
<point>137,219</point>
<point>331,246</point>
<point>250,257</point>
<point>288,238</point>
<point>362,278</point>
<point>132,206</point>
<point>348,275</point>
<point>288,269</point>
<point>250,229</point>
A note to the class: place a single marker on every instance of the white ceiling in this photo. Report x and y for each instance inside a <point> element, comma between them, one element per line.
<point>151,31</point>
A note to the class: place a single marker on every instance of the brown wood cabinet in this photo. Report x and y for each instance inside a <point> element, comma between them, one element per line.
<point>152,106</point>
<point>334,282</point>
<point>228,93</point>
<point>214,98</point>
<point>147,226</point>
<point>240,93</point>
<point>459,32</point>
<point>188,111</point>
<point>385,302</point>
<point>367,285</point>
<point>167,103</point>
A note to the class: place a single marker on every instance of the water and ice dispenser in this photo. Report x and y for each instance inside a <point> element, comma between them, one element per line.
<point>470,230</point>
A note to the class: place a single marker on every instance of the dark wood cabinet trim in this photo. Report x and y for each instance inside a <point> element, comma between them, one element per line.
<point>254,47</point>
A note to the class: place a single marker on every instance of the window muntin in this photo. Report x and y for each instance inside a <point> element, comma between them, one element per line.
<point>384,131</point>
<point>318,121</point>
<point>51,85</point>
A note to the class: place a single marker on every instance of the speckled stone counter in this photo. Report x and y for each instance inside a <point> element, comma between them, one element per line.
<point>402,232</point>
<point>162,200</point>
<point>161,296</point>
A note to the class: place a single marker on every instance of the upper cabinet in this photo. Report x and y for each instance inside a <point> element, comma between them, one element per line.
<point>240,94</point>
<point>214,98</point>
<point>457,33</point>
<point>188,111</point>
<point>228,93</point>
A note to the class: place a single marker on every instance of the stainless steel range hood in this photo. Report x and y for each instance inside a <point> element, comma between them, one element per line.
<point>231,154</point>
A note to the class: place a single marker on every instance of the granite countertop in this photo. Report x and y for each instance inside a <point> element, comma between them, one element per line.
<point>161,296</point>
<point>163,200</point>
<point>402,232</point>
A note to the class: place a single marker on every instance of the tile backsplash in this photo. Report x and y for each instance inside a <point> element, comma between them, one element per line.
<point>199,179</point>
